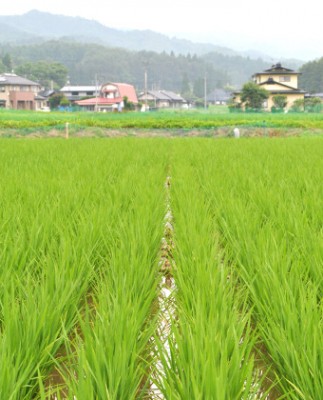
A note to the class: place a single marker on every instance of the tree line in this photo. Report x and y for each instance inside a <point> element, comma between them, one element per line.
<point>86,64</point>
<point>312,76</point>
<point>56,62</point>
<point>60,61</point>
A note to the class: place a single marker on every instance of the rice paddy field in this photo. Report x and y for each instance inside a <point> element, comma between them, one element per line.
<point>156,268</point>
<point>216,121</point>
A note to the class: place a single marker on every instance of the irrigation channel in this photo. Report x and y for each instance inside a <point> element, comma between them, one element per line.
<point>166,298</point>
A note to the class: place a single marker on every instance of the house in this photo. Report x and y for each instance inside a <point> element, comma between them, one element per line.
<point>162,99</point>
<point>277,80</point>
<point>18,93</point>
<point>110,97</point>
<point>218,97</point>
<point>317,95</point>
<point>42,99</point>
<point>76,93</point>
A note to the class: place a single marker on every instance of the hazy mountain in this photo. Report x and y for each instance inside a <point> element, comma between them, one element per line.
<point>36,25</point>
<point>87,48</point>
<point>10,34</point>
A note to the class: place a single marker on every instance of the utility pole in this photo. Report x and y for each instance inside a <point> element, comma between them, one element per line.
<point>96,93</point>
<point>146,64</point>
<point>205,103</point>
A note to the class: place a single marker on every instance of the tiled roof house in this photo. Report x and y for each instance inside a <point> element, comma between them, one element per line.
<point>17,92</point>
<point>162,99</point>
<point>278,80</point>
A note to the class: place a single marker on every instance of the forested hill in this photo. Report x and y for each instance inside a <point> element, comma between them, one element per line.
<point>180,73</point>
<point>89,50</point>
<point>312,76</point>
<point>36,26</point>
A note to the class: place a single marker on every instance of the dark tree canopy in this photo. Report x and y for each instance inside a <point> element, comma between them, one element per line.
<point>311,79</point>
<point>7,62</point>
<point>280,101</point>
<point>57,99</point>
<point>85,62</point>
<point>45,72</point>
<point>253,96</point>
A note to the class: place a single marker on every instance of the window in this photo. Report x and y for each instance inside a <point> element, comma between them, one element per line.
<point>284,78</point>
<point>75,93</point>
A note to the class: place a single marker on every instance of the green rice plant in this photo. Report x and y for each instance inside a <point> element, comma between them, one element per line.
<point>81,227</point>
<point>113,352</point>
<point>46,249</point>
<point>182,119</point>
<point>208,354</point>
<point>64,205</point>
<point>270,220</point>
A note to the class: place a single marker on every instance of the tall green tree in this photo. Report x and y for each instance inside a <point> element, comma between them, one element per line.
<point>253,96</point>
<point>45,72</point>
<point>298,105</point>
<point>311,79</point>
<point>280,101</point>
<point>186,87</point>
<point>7,62</point>
<point>198,87</point>
<point>57,99</point>
<point>2,67</point>
<point>313,104</point>
<point>86,61</point>
<point>309,104</point>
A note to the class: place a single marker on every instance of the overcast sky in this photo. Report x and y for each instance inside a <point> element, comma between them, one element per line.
<point>278,28</point>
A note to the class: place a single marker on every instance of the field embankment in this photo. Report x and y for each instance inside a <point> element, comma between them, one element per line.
<point>171,123</point>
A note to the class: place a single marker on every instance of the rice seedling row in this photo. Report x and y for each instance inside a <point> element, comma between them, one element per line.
<point>211,340</point>
<point>114,352</point>
<point>268,210</point>
<point>72,216</point>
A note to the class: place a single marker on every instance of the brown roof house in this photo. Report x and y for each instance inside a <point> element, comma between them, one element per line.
<point>162,99</point>
<point>111,97</point>
<point>76,93</point>
<point>218,97</point>
<point>18,93</point>
<point>277,80</point>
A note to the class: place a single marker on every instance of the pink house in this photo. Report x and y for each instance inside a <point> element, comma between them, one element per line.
<point>110,97</point>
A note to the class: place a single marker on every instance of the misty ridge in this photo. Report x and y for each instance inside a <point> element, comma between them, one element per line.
<point>88,48</point>
<point>36,26</point>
